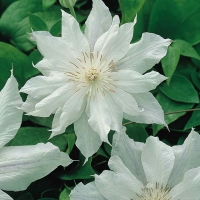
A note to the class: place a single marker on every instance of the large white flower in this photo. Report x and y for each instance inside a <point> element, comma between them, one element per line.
<point>21,165</point>
<point>151,171</point>
<point>94,79</point>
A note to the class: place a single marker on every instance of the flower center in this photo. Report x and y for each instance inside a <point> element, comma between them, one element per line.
<point>92,74</point>
<point>156,193</point>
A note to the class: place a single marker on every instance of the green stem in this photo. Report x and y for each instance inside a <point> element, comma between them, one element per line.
<point>170,113</point>
<point>72,11</point>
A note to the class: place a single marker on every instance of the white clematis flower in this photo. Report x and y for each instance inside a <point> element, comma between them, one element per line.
<point>21,165</point>
<point>151,171</point>
<point>95,79</point>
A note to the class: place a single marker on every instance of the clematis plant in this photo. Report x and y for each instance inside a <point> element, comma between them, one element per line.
<point>150,171</point>
<point>95,79</point>
<point>21,165</point>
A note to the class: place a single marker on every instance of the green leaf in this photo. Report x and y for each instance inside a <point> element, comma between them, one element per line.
<point>47,121</point>
<point>143,17</point>
<point>14,22</point>
<point>30,136</point>
<point>60,141</point>
<point>129,9</point>
<point>10,57</point>
<point>180,89</point>
<point>137,132</point>
<point>71,138</point>
<point>170,62</point>
<point>36,23</point>
<point>56,29</point>
<point>185,48</point>
<point>47,3</point>
<point>169,105</point>
<point>29,70</point>
<point>195,78</point>
<point>176,19</point>
<point>194,119</point>
<point>64,195</point>
<point>80,171</point>
<point>50,16</point>
<point>26,196</point>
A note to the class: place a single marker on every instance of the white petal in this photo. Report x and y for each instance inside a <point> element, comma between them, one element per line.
<point>58,98</point>
<point>144,54</point>
<point>99,117</point>
<point>73,36</point>
<point>188,189</point>
<point>127,103</point>
<point>29,104</point>
<point>86,192</point>
<point>87,141</point>
<point>10,116</point>
<point>116,113</point>
<point>98,22</point>
<point>71,111</point>
<point>130,154</point>
<point>52,48</point>
<point>186,157</point>
<point>120,184</point>
<point>157,160</point>
<point>21,165</point>
<point>4,196</point>
<point>59,67</point>
<point>42,85</point>
<point>152,113</point>
<point>134,82</point>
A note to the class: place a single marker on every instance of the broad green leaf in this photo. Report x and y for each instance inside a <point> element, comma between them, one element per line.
<point>29,69</point>
<point>64,195</point>
<point>47,3</point>
<point>186,49</point>
<point>50,16</point>
<point>56,29</point>
<point>60,141</point>
<point>33,162</point>
<point>170,62</point>
<point>180,89</point>
<point>8,55</point>
<point>196,61</point>
<point>195,78</point>
<point>169,105</point>
<point>143,17</point>
<point>26,196</point>
<point>30,136</point>
<point>44,121</point>
<point>79,172</point>
<point>137,132</point>
<point>14,22</point>
<point>176,19</point>
<point>36,23</point>
<point>194,119</point>
<point>129,9</point>
<point>71,138</point>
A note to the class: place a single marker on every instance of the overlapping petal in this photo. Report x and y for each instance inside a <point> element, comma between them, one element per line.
<point>152,112</point>
<point>129,152</point>
<point>143,55</point>
<point>86,192</point>
<point>21,165</point>
<point>134,82</point>
<point>4,196</point>
<point>97,23</point>
<point>86,135</point>
<point>10,115</point>
<point>158,161</point>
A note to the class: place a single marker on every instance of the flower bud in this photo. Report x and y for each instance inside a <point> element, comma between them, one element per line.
<point>67,3</point>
